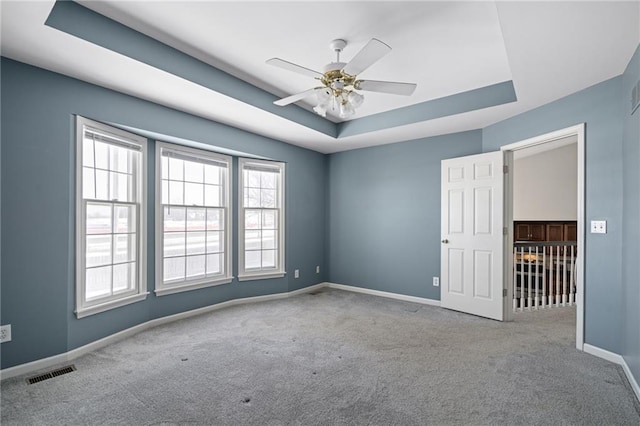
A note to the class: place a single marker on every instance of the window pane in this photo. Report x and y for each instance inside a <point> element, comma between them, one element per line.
<point>252,219</point>
<point>214,219</point>
<point>268,198</point>
<point>252,260</point>
<point>102,155</point>
<point>252,198</point>
<point>212,196</point>
<point>252,178</point>
<point>102,185</point>
<point>98,219</point>
<point>176,195</point>
<point>193,172</point>
<point>269,239</point>
<point>174,219</point>
<point>165,192</point>
<point>211,174</point>
<point>195,242</point>
<point>87,152</point>
<point>98,250</point>
<point>174,244</point>
<point>214,263</point>
<point>123,277</point>
<point>164,162</point>
<point>174,268</point>
<point>125,248</point>
<point>176,171</point>
<point>214,241</point>
<point>196,219</point>
<point>125,219</point>
<point>193,194</point>
<point>268,258</point>
<point>252,240</point>
<point>195,266</point>
<point>119,161</point>
<point>98,282</point>
<point>121,187</point>
<point>269,219</point>
<point>88,184</point>
<point>268,180</point>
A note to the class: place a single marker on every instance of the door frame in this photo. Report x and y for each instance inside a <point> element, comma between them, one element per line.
<point>579,132</point>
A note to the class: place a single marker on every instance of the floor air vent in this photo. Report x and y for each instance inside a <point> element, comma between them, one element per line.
<point>51,374</point>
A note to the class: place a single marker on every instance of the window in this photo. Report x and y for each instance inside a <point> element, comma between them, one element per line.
<point>261,219</point>
<point>110,217</point>
<point>192,219</point>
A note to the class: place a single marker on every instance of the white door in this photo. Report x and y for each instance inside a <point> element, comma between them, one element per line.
<point>472,235</point>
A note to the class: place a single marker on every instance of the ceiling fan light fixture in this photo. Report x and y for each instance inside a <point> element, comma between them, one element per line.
<point>355,99</point>
<point>346,109</point>
<point>321,110</point>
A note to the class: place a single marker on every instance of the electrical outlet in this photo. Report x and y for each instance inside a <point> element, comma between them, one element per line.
<point>5,333</point>
<point>436,281</point>
<point>318,269</point>
<point>598,226</point>
<point>296,273</point>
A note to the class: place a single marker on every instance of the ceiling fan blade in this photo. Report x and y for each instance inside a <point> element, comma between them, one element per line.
<point>293,67</point>
<point>294,98</point>
<point>392,87</point>
<point>370,54</point>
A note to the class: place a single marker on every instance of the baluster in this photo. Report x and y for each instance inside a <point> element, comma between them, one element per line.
<point>521,278</point>
<point>564,276</point>
<point>572,289</point>
<point>529,282</point>
<point>537,278</point>
<point>551,281</point>
<point>515,279</point>
<point>558,272</point>
<point>543,272</point>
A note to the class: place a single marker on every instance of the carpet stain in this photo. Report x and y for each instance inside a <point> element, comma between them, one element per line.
<point>246,400</point>
<point>185,359</point>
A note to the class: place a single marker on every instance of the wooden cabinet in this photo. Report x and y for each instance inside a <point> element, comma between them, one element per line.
<point>545,231</point>
<point>528,231</point>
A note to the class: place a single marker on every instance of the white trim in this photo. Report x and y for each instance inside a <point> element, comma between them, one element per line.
<point>616,359</point>
<point>261,276</point>
<point>84,308</point>
<point>162,288</point>
<point>632,380</point>
<point>83,350</point>
<point>388,295</point>
<point>279,271</point>
<point>579,132</point>
<point>603,353</point>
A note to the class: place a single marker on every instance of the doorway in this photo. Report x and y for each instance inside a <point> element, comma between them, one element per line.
<point>541,143</point>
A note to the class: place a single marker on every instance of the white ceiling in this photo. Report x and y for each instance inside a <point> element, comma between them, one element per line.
<point>548,49</point>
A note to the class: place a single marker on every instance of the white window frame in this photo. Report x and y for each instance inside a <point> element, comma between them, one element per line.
<point>83,307</point>
<point>162,288</point>
<point>279,271</point>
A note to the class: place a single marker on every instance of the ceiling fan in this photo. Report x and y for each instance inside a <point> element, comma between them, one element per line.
<point>339,80</point>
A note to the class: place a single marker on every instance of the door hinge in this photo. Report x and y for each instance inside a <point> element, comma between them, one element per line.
<point>504,292</point>
<point>505,230</point>
<point>505,169</point>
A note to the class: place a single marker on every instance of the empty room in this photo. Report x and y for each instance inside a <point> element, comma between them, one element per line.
<point>319,213</point>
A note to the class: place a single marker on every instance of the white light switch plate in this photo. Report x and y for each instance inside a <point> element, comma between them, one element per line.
<point>598,226</point>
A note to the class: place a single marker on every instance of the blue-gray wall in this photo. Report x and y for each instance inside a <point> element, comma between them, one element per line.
<point>384,213</point>
<point>631,221</point>
<point>600,108</point>
<point>37,175</point>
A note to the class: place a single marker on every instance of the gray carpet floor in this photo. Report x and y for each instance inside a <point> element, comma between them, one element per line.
<point>335,358</point>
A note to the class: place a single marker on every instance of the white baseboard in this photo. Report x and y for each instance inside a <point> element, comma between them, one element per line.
<point>615,358</point>
<point>386,294</point>
<point>39,364</point>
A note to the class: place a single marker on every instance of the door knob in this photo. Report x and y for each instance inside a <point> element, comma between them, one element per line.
<point>445,241</point>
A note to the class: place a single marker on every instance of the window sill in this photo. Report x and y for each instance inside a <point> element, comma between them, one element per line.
<point>261,276</point>
<point>96,309</point>
<point>169,289</point>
